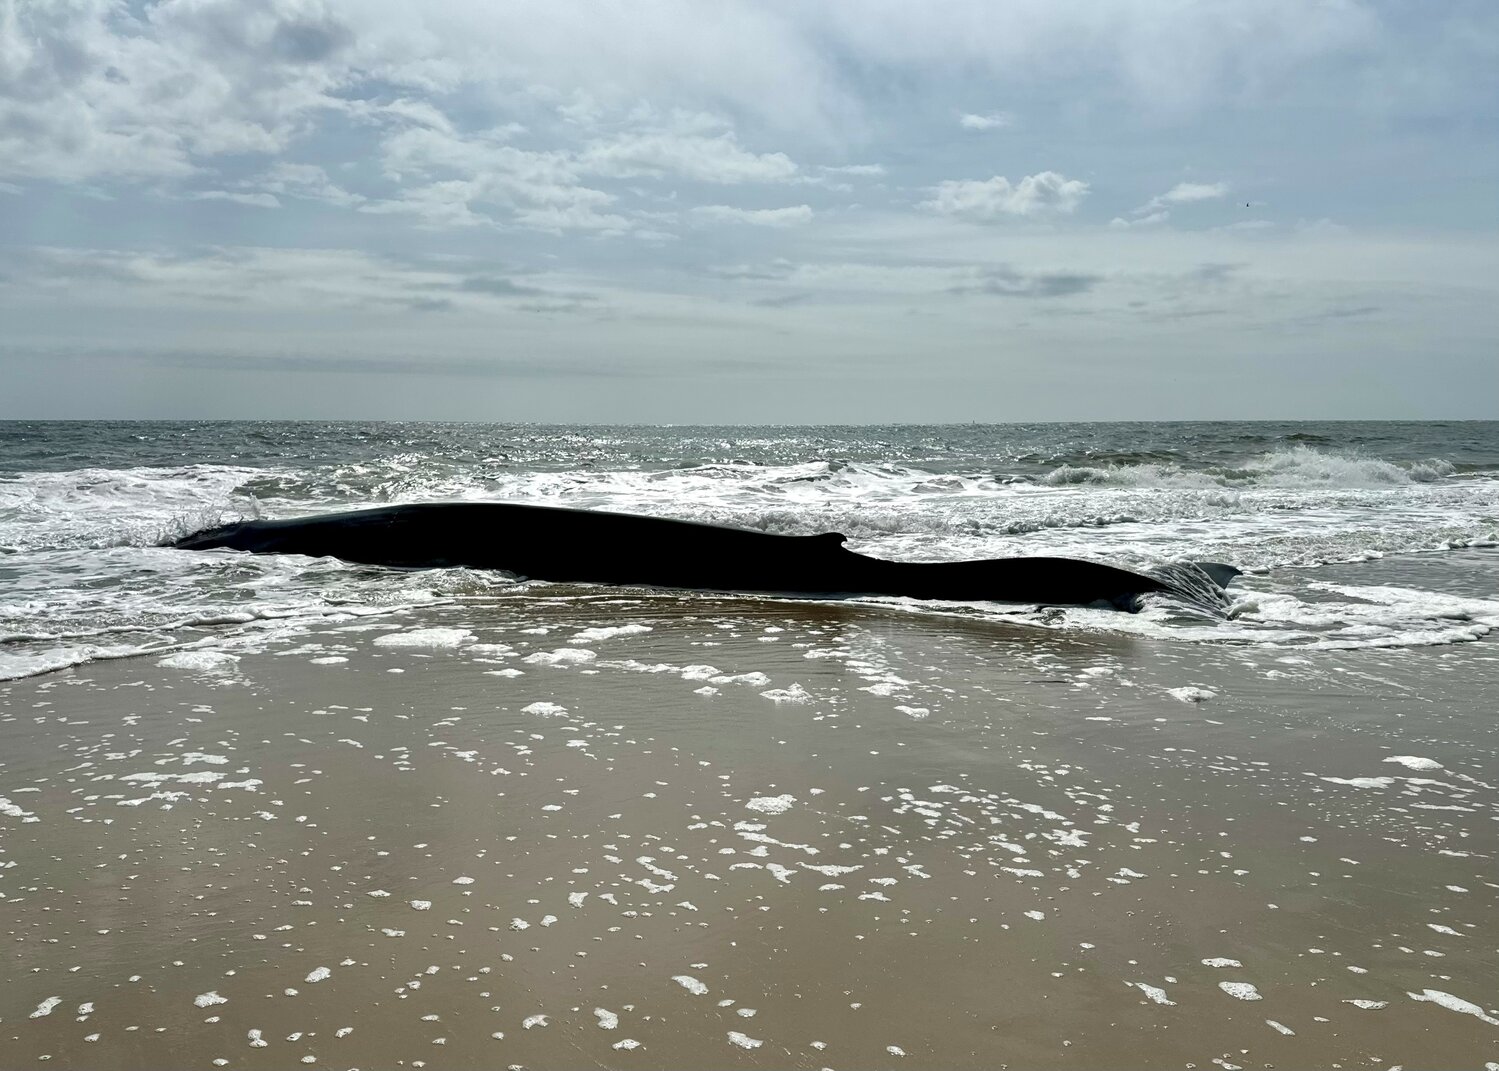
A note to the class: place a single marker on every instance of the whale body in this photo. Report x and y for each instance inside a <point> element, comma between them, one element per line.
<point>588,546</point>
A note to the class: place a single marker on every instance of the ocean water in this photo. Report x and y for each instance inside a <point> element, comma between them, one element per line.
<point>1381,534</point>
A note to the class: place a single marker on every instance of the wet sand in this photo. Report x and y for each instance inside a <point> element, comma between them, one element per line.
<point>758,834</point>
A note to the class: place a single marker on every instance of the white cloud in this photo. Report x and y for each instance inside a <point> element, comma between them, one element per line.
<point>993,121</point>
<point>495,183</point>
<point>158,89</point>
<point>436,204</point>
<point>1154,219</point>
<point>866,170</point>
<point>89,88</point>
<point>497,200</point>
<point>418,112</point>
<point>1167,58</point>
<point>702,159</point>
<point>1157,210</point>
<point>258,200</point>
<point>1187,192</point>
<point>760,217</point>
<point>985,201</point>
<point>308,181</point>
<point>574,215</point>
<point>1247,226</point>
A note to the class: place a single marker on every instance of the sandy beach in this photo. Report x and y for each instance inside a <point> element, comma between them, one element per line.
<point>650,830</point>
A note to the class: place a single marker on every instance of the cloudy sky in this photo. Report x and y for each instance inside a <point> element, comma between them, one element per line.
<point>725,210</point>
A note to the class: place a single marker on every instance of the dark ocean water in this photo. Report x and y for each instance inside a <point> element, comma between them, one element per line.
<point>1024,450</point>
<point>1357,533</point>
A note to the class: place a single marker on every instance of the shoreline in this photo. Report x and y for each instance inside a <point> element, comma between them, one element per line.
<point>1036,847</point>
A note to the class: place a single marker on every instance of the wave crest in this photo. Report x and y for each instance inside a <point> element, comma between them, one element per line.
<point>1292,467</point>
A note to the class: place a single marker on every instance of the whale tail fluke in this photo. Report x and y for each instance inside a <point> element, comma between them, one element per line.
<point>1197,587</point>
<point>1219,573</point>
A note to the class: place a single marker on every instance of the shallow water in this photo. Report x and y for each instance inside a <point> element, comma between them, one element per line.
<point>736,832</point>
<point>83,505</point>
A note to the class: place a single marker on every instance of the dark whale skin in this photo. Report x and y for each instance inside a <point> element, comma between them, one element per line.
<point>574,545</point>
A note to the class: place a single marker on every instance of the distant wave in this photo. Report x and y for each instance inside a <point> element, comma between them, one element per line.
<point>1297,466</point>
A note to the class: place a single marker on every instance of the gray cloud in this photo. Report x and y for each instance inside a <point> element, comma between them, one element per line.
<point>1212,273</point>
<point>475,367</point>
<point>309,40</point>
<point>789,216</point>
<point>497,285</point>
<point>1005,282</point>
<point>783,301</point>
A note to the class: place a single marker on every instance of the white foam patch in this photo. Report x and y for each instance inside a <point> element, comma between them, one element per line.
<point>194,777</point>
<point>1221,961</point>
<point>1416,762</point>
<point>209,999</point>
<point>562,656</point>
<point>45,1007</point>
<point>689,983</point>
<point>793,694</point>
<point>753,679</point>
<point>607,1019</point>
<point>318,974</point>
<point>770,804</point>
<point>425,637</point>
<point>1155,993</point>
<point>544,709</point>
<point>744,1041</point>
<point>1457,1004</point>
<point>1240,990</point>
<point>1192,695</point>
<point>594,635</point>
<point>12,810</point>
<point>200,661</point>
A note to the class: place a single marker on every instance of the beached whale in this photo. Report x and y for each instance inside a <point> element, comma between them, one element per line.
<point>575,545</point>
